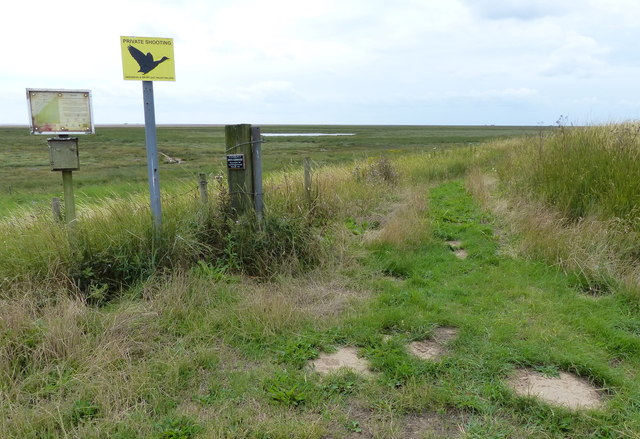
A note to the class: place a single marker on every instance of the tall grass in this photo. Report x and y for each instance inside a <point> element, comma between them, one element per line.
<point>582,171</point>
<point>574,197</point>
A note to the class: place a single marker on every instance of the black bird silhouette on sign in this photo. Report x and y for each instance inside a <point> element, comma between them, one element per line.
<point>145,62</point>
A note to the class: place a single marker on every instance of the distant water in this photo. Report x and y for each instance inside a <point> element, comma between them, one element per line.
<point>305,134</point>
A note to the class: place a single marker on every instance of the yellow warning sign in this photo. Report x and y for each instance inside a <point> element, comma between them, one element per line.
<point>148,59</point>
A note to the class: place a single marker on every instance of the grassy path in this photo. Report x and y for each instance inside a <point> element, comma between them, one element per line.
<point>510,314</point>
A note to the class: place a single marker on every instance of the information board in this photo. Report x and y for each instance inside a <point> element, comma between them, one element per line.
<point>60,111</point>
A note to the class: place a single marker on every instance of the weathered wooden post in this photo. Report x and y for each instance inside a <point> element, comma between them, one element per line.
<point>256,151</point>
<point>63,155</point>
<point>69,198</point>
<point>55,209</point>
<point>307,180</point>
<point>238,143</point>
<point>204,195</point>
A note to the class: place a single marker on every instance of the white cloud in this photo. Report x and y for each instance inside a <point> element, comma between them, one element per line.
<point>512,94</point>
<point>519,9</point>
<point>577,56</point>
<point>342,61</point>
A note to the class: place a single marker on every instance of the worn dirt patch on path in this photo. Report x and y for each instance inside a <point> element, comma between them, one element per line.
<point>456,248</point>
<point>435,347</point>
<point>461,254</point>
<point>567,390</point>
<point>346,357</point>
<point>413,426</point>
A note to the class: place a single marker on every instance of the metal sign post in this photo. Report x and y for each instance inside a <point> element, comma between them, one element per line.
<point>152,155</point>
<point>149,59</point>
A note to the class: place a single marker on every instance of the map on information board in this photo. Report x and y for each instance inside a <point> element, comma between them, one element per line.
<point>60,111</point>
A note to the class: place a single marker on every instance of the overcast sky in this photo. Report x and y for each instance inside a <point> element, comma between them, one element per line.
<point>503,62</point>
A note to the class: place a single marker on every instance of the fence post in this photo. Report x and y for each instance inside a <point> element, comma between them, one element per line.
<point>204,195</point>
<point>69,201</point>
<point>239,166</point>
<point>307,180</point>
<point>256,151</point>
<point>55,209</point>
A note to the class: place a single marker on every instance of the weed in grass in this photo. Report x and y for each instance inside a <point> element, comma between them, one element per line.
<point>342,383</point>
<point>208,271</point>
<point>291,396</point>
<point>297,352</point>
<point>355,227</point>
<point>83,410</point>
<point>354,427</point>
<point>177,428</point>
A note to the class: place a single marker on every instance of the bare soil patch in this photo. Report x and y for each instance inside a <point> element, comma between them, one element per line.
<point>461,254</point>
<point>435,347</point>
<point>346,357</point>
<point>566,390</point>
<point>458,251</point>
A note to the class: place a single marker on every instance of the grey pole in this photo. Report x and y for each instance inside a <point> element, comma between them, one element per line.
<point>152,155</point>
<point>256,143</point>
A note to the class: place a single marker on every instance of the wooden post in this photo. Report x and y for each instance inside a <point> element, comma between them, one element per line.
<point>239,166</point>
<point>204,195</point>
<point>307,180</point>
<point>55,209</point>
<point>256,155</point>
<point>69,202</point>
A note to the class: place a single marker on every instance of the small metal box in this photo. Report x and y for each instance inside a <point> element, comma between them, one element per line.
<point>63,154</point>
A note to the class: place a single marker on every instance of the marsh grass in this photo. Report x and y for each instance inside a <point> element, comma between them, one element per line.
<point>581,171</point>
<point>573,200</point>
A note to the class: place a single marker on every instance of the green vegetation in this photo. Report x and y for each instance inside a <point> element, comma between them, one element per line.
<point>209,332</point>
<point>577,192</point>
<point>582,172</point>
<point>113,161</point>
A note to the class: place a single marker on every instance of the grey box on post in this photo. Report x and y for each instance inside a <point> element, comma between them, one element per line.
<point>63,154</point>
